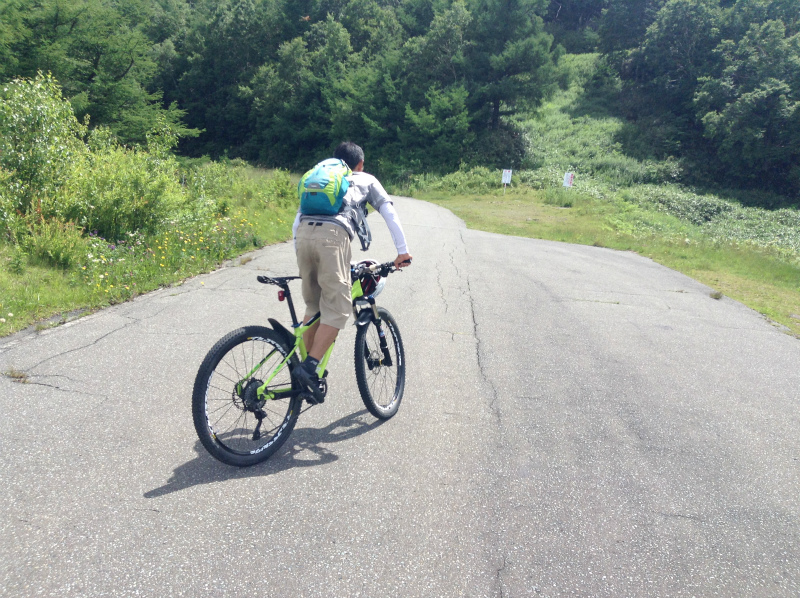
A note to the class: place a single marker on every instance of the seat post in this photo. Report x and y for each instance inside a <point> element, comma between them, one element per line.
<point>288,294</point>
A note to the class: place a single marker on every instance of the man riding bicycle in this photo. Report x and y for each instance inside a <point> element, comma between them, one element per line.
<point>322,244</point>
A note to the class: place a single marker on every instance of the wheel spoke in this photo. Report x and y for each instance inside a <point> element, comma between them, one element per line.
<point>381,385</point>
<point>226,401</point>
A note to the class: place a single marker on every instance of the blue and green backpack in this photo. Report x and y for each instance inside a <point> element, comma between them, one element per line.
<point>322,188</point>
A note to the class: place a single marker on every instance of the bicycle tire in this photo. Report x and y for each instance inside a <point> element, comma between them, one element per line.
<point>381,386</point>
<point>225,406</point>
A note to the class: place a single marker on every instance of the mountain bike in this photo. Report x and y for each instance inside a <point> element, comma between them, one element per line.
<point>245,402</point>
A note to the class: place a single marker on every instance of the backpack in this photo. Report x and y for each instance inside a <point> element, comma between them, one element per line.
<point>322,188</point>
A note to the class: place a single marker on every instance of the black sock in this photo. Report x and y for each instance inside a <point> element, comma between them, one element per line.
<point>312,362</point>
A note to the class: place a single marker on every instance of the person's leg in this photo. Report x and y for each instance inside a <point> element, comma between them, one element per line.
<point>333,277</point>
<point>324,333</point>
<point>308,335</point>
<point>308,267</point>
<point>324,337</point>
<point>330,252</point>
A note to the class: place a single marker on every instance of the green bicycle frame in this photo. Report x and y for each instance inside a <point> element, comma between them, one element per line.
<point>299,346</point>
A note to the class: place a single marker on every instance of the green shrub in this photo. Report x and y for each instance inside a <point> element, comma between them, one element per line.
<point>18,261</point>
<point>119,190</point>
<point>280,190</point>
<point>40,140</point>
<point>560,197</point>
<point>56,243</point>
<point>215,187</point>
<point>10,221</point>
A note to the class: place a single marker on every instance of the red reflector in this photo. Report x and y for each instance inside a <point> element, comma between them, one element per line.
<point>281,296</point>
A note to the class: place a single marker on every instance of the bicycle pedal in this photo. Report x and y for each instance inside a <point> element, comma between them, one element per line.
<point>309,398</point>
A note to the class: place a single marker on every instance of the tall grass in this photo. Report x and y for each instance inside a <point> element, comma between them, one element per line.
<point>113,221</point>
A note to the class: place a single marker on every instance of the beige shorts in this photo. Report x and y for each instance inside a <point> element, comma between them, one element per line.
<point>323,258</point>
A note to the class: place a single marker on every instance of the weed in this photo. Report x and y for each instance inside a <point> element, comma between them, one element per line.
<point>18,260</point>
<point>18,376</point>
<point>716,295</point>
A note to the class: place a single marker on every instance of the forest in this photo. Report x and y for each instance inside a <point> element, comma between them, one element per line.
<point>424,85</point>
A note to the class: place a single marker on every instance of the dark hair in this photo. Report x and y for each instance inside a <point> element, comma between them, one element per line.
<point>350,153</point>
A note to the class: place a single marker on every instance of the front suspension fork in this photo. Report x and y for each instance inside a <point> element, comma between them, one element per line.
<point>376,319</point>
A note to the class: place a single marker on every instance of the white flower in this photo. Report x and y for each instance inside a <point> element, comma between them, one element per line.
<point>10,315</point>
<point>101,277</point>
<point>90,256</point>
<point>2,320</point>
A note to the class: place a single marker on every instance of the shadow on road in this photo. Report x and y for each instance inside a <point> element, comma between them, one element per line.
<point>304,448</point>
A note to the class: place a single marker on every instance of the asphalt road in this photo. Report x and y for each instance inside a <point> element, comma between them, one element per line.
<point>576,422</point>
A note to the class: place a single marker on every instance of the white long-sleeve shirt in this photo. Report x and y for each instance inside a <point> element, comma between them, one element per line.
<point>364,188</point>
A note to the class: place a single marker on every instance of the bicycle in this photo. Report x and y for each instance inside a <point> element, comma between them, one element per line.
<point>245,402</point>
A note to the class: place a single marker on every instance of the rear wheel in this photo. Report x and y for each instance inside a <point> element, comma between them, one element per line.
<point>235,423</point>
<point>380,366</point>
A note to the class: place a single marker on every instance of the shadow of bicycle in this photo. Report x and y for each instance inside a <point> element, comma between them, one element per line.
<point>304,448</point>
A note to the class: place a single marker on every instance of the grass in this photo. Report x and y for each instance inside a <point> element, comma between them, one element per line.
<point>619,201</point>
<point>104,272</point>
<point>764,280</point>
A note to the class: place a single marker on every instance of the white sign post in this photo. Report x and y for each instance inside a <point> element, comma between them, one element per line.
<point>568,178</point>
<point>506,179</point>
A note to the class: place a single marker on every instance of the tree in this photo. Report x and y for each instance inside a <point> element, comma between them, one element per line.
<point>40,138</point>
<point>678,49</point>
<point>373,29</point>
<point>228,46</point>
<point>295,95</point>
<point>12,32</point>
<point>438,134</point>
<point>574,23</point>
<point>101,57</point>
<point>511,65</point>
<point>438,57</point>
<point>751,111</point>
<point>624,23</point>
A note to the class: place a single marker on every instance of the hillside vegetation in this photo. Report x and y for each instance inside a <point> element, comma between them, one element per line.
<point>425,85</point>
<point>87,222</point>
<point>749,253</point>
<point>147,140</point>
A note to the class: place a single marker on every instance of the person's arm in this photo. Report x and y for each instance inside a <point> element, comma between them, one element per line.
<point>295,226</point>
<point>398,235</point>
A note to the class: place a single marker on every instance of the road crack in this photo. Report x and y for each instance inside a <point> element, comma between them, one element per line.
<point>132,321</point>
<point>482,367</point>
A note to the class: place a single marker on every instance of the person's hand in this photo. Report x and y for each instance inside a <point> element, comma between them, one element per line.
<point>402,260</point>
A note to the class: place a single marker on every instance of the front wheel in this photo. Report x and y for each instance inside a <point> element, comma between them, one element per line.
<point>380,365</point>
<point>235,422</point>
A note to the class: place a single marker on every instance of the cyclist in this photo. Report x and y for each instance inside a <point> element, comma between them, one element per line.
<point>322,245</point>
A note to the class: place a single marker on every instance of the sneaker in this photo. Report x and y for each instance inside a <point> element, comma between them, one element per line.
<point>306,376</point>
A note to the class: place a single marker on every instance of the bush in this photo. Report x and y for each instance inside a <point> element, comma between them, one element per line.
<point>40,140</point>
<point>56,243</point>
<point>213,188</point>
<point>280,190</point>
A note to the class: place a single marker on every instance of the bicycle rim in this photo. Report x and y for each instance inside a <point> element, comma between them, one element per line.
<point>380,381</point>
<point>236,425</point>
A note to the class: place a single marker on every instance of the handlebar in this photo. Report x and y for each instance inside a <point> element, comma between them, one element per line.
<point>379,269</point>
